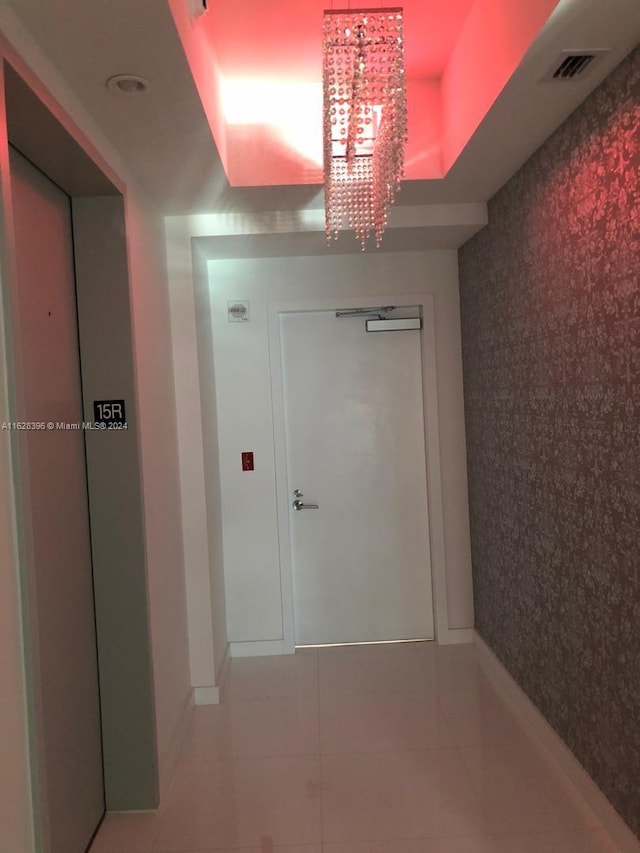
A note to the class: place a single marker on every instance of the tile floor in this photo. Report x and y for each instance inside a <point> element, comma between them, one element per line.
<point>370,749</point>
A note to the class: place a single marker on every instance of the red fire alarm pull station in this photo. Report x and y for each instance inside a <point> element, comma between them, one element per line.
<point>247,460</point>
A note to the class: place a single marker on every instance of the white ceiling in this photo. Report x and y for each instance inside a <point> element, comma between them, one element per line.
<point>166,141</point>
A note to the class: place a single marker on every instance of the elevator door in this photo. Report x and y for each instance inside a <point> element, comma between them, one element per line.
<point>61,618</point>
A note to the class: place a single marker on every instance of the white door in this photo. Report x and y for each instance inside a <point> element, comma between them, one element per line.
<point>62,620</point>
<point>355,447</point>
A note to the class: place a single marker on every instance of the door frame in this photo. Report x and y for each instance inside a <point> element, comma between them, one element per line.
<point>74,165</point>
<point>435,520</point>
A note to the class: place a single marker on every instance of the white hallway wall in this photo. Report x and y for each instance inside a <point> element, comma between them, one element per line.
<point>199,489</point>
<point>253,596</point>
<point>245,415</point>
<point>155,387</point>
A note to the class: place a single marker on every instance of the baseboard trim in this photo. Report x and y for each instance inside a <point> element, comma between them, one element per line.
<point>167,763</point>
<point>554,747</point>
<point>222,670</point>
<point>209,695</point>
<point>455,636</point>
<point>259,648</point>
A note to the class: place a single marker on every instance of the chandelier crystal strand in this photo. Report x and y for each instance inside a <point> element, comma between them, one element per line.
<point>365,119</point>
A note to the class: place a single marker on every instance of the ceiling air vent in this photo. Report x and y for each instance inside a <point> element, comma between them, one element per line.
<point>571,66</point>
<point>575,64</point>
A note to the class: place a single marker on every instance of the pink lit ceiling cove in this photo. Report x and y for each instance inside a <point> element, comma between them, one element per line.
<point>258,68</point>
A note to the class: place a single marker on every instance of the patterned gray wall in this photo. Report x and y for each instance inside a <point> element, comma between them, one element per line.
<point>550,299</point>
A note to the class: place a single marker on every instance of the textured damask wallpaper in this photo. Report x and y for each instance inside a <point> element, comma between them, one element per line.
<point>550,299</point>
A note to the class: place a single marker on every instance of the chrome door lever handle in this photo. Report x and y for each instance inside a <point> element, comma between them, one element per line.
<point>298,505</point>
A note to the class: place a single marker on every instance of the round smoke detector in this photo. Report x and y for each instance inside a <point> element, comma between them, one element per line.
<point>128,84</point>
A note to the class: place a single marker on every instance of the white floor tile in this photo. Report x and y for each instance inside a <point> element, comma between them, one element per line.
<point>272,677</point>
<point>126,833</point>
<point>580,842</point>
<point>242,803</point>
<point>484,844</point>
<point>367,669</point>
<point>417,845</point>
<point>520,792</point>
<point>450,668</point>
<point>394,795</point>
<point>382,722</point>
<point>477,716</point>
<point>557,842</point>
<point>254,728</point>
<point>265,847</point>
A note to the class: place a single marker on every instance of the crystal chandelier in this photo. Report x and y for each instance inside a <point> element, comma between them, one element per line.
<point>365,118</point>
